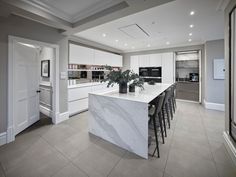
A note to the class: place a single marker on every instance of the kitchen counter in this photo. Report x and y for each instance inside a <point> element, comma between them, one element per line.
<point>122,119</point>
<point>145,96</point>
<point>89,84</point>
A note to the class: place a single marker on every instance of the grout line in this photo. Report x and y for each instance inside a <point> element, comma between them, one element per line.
<point>205,131</point>
<point>3,171</point>
<point>116,164</point>
<point>170,143</point>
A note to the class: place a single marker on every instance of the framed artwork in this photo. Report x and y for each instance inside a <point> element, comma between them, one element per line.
<point>45,68</point>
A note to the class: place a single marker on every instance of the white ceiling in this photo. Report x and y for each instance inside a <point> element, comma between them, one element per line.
<point>72,10</point>
<point>166,23</point>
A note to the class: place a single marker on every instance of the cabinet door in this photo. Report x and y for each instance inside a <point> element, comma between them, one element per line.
<point>134,64</point>
<point>80,55</point>
<point>168,68</point>
<point>102,58</point>
<point>117,60</point>
<point>78,93</point>
<point>144,60</point>
<point>78,106</point>
<point>155,60</point>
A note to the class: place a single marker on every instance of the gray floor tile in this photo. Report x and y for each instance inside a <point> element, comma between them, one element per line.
<point>193,148</point>
<point>39,160</point>
<point>184,164</point>
<point>11,154</point>
<point>133,166</point>
<point>220,153</point>
<point>70,171</point>
<point>58,133</point>
<point>74,145</point>
<point>226,170</point>
<point>97,161</point>
<point>79,122</point>
<point>2,173</point>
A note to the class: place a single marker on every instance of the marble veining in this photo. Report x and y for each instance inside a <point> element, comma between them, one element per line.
<point>122,119</point>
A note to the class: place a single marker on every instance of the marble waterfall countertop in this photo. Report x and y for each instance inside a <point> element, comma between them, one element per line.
<point>147,95</point>
<point>122,119</point>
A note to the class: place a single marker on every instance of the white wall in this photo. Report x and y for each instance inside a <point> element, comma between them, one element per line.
<point>214,89</point>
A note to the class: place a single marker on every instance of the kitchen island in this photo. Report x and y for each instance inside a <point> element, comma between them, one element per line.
<point>122,119</point>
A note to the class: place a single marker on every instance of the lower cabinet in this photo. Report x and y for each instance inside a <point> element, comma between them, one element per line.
<point>78,106</point>
<point>78,97</point>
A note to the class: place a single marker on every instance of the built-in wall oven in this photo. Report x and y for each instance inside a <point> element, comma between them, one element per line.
<point>150,74</point>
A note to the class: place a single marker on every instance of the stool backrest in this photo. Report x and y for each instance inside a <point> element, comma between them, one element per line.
<point>167,94</point>
<point>160,102</point>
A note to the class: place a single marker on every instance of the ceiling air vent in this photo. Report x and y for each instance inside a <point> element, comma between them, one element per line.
<point>134,31</point>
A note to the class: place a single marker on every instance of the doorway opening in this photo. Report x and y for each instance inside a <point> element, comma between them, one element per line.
<point>32,84</point>
<point>188,75</point>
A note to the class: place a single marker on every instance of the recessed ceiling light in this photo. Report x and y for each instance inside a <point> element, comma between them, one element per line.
<point>192,13</point>
<point>191,26</point>
<point>125,44</point>
<point>190,34</point>
<point>167,43</point>
<point>117,40</point>
<point>133,47</point>
<point>149,45</point>
<point>189,40</point>
<point>104,35</point>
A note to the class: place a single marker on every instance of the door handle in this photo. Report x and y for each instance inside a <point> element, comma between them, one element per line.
<point>38,91</point>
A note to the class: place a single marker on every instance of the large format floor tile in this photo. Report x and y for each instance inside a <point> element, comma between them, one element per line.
<point>193,148</point>
<point>184,164</point>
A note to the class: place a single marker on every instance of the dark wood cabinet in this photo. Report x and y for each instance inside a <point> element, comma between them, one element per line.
<point>187,91</point>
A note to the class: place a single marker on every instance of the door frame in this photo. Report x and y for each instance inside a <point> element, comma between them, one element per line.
<point>11,74</point>
<point>200,73</point>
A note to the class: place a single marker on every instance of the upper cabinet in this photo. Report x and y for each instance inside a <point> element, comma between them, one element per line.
<point>101,57</point>
<point>156,60</point>
<point>117,60</point>
<point>168,68</point>
<point>164,60</point>
<point>134,64</point>
<point>87,56</point>
<point>80,55</point>
<point>144,60</point>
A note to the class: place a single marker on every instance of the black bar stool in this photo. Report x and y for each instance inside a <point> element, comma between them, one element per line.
<point>155,121</point>
<point>166,106</point>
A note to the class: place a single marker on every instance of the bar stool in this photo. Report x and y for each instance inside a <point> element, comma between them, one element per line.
<point>155,121</point>
<point>166,106</point>
<point>175,85</point>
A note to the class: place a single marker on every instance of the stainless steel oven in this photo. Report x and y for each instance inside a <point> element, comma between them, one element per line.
<point>155,72</point>
<point>144,71</point>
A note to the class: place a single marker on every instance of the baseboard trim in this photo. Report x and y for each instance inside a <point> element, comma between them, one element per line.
<point>214,106</point>
<point>3,138</point>
<point>188,101</point>
<point>45,111</point>
<point>229,146</point>
<point>62,117</point>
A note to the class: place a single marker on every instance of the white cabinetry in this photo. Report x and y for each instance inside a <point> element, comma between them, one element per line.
<point>168,68</point>
<point>117,60</point>
<point>80,55</point>
<point>164,60</point>
<point>155,60</point>
<point>78,96</point>
<point>87,56</point>
<point>144,60</point>
<point>134,64</point>
<point>101,57</point>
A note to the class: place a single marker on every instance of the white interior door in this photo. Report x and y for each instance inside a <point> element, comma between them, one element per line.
<point>26,85</point>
